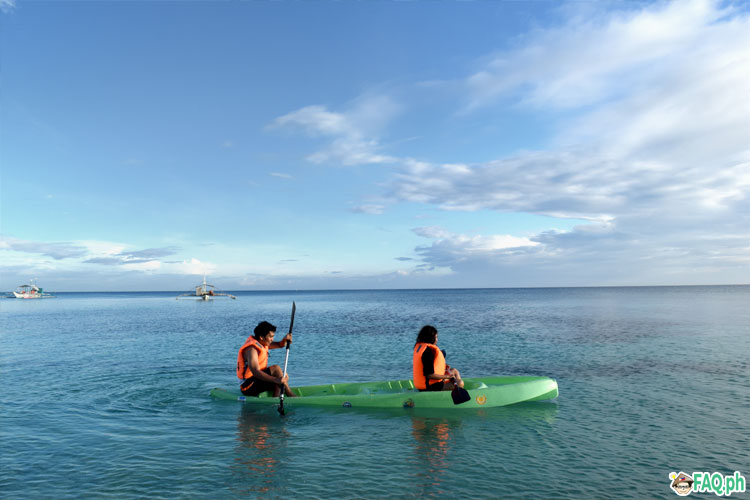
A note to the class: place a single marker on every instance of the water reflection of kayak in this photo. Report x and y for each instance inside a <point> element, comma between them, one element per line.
<point>485,392</point>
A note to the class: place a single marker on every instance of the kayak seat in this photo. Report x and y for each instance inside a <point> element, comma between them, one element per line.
<point>401,384</point>
<point>473,385</point>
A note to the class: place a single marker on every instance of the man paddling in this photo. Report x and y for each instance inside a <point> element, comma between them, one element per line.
<point>252,363</point>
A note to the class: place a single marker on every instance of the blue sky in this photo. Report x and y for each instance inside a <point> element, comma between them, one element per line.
<point>293,145</point>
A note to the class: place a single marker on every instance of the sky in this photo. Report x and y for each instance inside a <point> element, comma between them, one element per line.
<point>403,144</point>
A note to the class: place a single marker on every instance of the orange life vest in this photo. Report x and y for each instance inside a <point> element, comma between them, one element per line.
<point>243,369</point>
<point>420,381</point>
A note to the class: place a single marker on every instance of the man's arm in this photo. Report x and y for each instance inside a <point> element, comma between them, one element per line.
<point>252,361</point>
<point>281,343</point>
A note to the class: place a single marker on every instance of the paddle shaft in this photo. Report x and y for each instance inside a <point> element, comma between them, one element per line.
<point>286,360</point>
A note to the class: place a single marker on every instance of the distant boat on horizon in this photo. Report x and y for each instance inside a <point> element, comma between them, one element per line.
<point>204,291</point>
<point>30,291</point>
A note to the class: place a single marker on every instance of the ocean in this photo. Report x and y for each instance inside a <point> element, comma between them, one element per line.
<point>106,395</point>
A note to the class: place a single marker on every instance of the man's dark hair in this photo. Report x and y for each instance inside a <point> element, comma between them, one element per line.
<point>263,329</point>
<point>427,335</point>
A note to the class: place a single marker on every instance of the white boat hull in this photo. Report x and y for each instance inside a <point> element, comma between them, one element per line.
<point>28,295</point>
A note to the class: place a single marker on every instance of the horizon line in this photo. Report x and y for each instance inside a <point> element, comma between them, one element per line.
<point>408,289</point>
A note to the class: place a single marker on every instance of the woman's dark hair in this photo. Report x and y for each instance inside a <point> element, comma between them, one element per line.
<point>263,329</point>
<point>427,335</point>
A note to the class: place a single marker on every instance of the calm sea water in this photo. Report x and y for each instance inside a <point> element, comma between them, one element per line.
<point>106,395</point>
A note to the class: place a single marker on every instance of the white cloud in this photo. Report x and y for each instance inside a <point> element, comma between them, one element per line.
<point>351,134</point>
<point>192,266</point>
<point>143,266</point>
<point>114,255</point>
<point>370,209</point>
<point>55,250</point>
<point>280,175</point>
<point>27,253</point>
<point>316,120</point>
<point>590,254</point>
<point>434,232</point>
<point>449,249</point>
<point>7,5</point>
<point>598,55</point>
<point>582,185</point>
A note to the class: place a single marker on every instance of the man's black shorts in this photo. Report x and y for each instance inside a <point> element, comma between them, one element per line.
<point>253,386</point>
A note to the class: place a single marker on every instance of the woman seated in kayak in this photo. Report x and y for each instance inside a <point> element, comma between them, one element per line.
<point>431,373</point>
<point>252,363</point>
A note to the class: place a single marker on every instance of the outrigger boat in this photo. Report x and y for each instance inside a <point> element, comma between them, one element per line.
<point>485,392</point>
<point>204,291</point>
<point>31,291</point>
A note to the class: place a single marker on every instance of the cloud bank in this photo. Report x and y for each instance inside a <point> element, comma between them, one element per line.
<point>55,250</point>
<point>652,147</point>
<point>135,257</point>
<point>655,150</point>
<point>87,262</point>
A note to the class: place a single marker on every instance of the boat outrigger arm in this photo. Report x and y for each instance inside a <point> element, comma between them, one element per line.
<point>204,291</point>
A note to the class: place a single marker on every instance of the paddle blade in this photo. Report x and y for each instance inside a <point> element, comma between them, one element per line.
<point>282,412</point>
<point>294,310</point>
<point>460,395</point>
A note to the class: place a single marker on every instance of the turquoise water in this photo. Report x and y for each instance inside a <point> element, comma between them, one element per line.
<point>106,395</point>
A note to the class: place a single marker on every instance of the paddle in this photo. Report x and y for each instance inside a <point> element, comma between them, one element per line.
<point>459,394</point>
<point>286,360</point>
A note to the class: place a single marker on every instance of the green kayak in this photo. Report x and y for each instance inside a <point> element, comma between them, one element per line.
<point>485,392</point>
